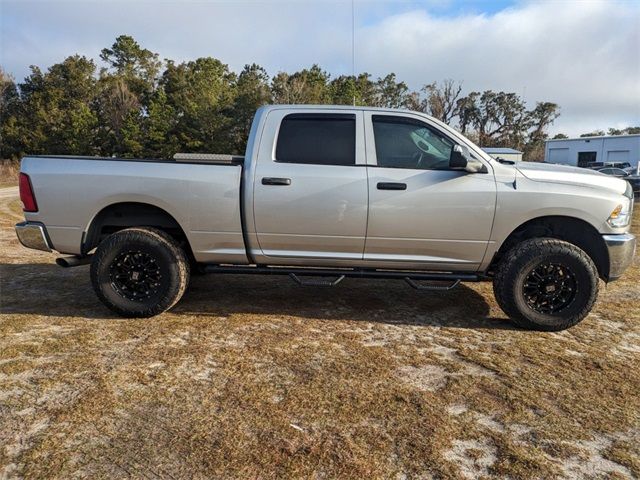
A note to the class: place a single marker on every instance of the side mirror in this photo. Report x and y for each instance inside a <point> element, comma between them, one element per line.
<point>461,159</point>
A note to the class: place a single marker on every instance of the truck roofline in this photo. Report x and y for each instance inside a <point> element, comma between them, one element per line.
<point>263,112</point>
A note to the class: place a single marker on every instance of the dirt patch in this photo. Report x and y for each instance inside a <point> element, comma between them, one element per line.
<point>591,463</point>
<point>260,378</point>
<point>474,458</point>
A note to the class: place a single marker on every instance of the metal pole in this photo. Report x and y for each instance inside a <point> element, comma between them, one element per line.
<point>353,48</point>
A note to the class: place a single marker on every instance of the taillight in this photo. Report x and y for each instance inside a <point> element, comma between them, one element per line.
<point>26,194</point>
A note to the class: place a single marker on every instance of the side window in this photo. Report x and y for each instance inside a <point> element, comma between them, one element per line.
<point>322,139</point>
<point>407,143</point>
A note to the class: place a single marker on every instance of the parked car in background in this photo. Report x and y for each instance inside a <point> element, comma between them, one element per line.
<point>634,180</point>
<point>599,165</point>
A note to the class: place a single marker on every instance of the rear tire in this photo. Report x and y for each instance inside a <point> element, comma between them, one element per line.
<point>546,284</point>
<point>139,272</point>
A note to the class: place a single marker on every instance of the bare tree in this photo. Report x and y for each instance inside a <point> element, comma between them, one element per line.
<point>442,98</point>
<point>439,100</point>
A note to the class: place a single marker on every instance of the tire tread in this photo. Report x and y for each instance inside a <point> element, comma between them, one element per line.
<point>516,258</point>
<point>134,234</point>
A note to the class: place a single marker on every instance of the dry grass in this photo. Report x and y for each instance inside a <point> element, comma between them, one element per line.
<point>255,377</point>
<point>9,170</point>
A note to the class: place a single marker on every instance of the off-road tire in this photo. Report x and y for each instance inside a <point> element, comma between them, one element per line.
<point>171,267</point>
<point>519,262</point>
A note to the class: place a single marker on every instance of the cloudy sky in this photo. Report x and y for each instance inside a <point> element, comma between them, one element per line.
<point>581,54</point>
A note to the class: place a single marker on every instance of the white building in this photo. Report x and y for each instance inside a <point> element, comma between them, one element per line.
<point>505,153</point>
<point>585,150</point>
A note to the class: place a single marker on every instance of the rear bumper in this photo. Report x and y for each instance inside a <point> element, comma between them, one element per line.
<point>621,249</point>
<point>33,235</point>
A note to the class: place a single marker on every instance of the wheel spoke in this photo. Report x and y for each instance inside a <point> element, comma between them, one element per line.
<point>135,275</point>
<point>549,288</point>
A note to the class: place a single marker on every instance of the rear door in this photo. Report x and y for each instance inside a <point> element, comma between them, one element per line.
<point>421,213</point>
<point>310,186</point>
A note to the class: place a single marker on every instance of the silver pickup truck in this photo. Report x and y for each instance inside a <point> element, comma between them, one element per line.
<point>327,192</point>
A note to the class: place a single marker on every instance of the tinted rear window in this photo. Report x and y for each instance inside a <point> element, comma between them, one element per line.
<point>323,139</point>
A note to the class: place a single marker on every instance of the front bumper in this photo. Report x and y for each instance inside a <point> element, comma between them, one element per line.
<point>33,235</point>
<point>621,249</point>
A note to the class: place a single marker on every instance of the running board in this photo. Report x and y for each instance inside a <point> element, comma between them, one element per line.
<point>316,282</point>
<point>434,285</point>
<point>451,279</point>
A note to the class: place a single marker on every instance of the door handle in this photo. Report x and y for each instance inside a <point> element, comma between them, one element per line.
<point>392,186</point>
<point>276,181</point>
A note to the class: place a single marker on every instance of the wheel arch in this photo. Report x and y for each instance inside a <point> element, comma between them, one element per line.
<point>570,229</point>
<point>121,215</point>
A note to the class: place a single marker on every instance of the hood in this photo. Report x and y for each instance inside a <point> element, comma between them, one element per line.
<point>545,172</point>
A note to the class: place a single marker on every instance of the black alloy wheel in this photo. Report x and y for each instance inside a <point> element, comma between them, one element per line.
<point>549,288</point>
<point>139,272</point>
<point>135,275</point>
<point>546,284</point>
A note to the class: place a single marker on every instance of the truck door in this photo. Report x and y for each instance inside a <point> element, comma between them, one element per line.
<point>310,187</point>
<point>421,213</point>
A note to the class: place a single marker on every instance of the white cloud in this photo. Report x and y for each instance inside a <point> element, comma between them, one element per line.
<point>584,56</point>
<point>580,54</point>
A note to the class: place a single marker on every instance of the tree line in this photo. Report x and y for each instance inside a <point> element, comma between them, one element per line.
<point>139,106</point>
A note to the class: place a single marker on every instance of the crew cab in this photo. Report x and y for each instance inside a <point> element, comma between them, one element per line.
<point>328,192</point>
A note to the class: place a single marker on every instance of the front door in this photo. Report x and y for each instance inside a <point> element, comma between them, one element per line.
<point>421,213</point>
<point>310,187</point>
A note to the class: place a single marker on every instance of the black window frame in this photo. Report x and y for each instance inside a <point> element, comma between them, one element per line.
<point>409,121</point>
<point>348,117</point>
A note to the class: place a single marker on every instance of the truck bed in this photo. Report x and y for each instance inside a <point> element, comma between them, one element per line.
<point>202,194</point>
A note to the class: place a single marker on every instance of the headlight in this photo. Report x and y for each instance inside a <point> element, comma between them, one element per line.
<point>621,215</point>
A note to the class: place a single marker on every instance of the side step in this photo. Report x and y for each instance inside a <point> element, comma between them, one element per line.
<point>317,282</point>
<point>433,280</point>
<point>432,285</point>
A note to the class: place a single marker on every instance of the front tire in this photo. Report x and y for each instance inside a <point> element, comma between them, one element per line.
<point>139,272</point>
<point>546,284</point>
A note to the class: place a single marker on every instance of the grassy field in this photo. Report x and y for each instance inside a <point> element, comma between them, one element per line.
<point>253,377</point>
